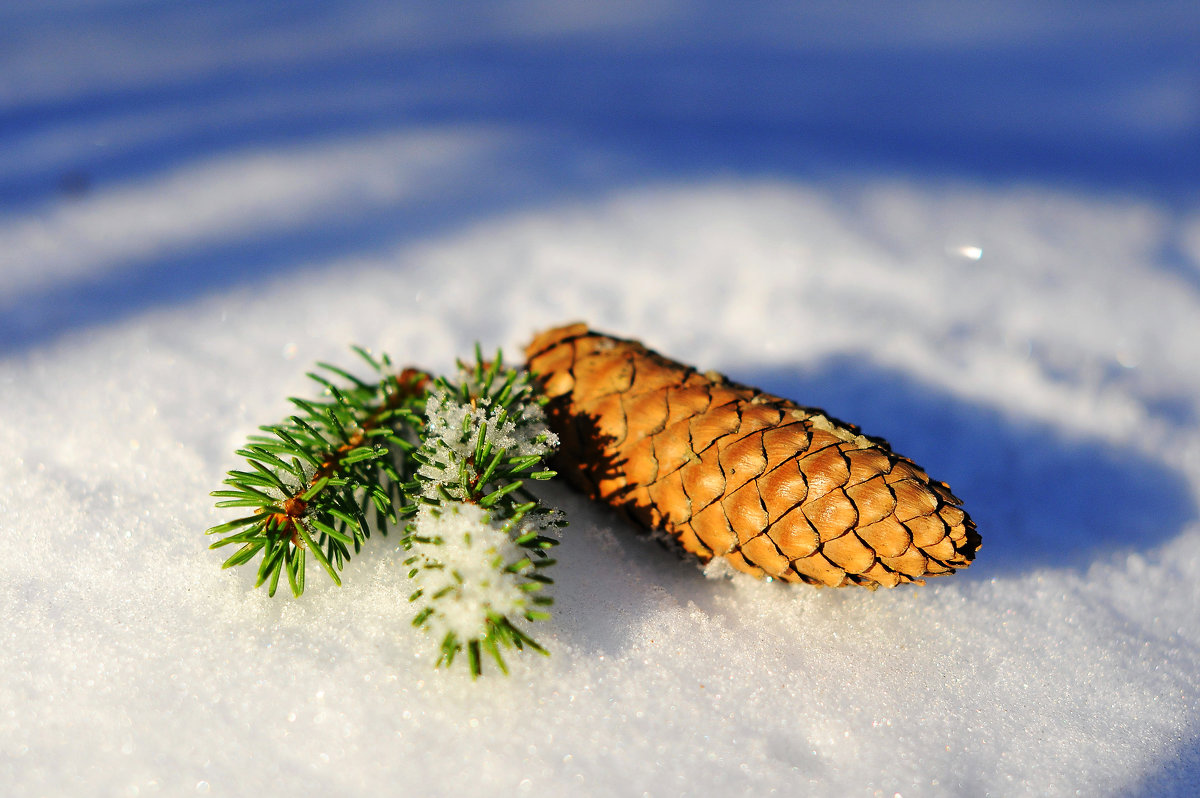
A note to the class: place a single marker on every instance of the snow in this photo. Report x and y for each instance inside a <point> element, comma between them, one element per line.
<point>461,571</point>
<point>974,234</point>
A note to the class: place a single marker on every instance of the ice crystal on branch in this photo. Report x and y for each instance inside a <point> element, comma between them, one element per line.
<point>477,542</point>
<point>470,431</point>
<point>468,571</point>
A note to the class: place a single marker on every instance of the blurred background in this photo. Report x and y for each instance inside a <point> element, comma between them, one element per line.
<point>151,152</point>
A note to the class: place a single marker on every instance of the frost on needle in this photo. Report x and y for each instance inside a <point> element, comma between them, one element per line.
<point>478,541</point>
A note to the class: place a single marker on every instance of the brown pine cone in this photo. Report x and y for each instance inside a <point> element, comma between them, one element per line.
<point>777,489</point>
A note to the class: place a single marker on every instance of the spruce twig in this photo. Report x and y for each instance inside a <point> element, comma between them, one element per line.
<point>315,478</point>
<point>451,457</point>
<point>478,541</point>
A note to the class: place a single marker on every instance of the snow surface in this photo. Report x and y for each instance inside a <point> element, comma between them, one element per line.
<point>976,233</point>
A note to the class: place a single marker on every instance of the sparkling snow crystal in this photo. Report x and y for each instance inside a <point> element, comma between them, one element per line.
<point>462,566</point>
<point>454,427</point>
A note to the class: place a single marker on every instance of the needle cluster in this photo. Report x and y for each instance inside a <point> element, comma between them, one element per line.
<point>478,541</point>
<point>448,459</point>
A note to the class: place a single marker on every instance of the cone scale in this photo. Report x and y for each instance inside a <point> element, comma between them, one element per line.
<point>776,489</point>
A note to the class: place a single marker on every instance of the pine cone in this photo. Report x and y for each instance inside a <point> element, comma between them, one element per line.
<point>777,489</point>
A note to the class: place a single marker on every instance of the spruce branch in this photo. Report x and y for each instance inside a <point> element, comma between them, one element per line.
<point>448,458</point>
<point>478,540</point>
<point>317,479</point>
